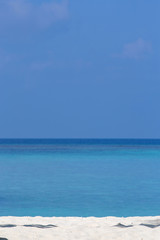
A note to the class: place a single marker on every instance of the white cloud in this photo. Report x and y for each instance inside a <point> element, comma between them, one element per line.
<point>137,49</point>
<point>4,58</point>
<point>52,64</point>
<point>18,8</point>
<point>42,65</point>
<point>19,12</point>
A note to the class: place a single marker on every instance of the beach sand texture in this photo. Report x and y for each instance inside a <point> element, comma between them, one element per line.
<point>72,228</point>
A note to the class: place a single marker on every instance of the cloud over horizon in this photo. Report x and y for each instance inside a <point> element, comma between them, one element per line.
<point>25,12</point>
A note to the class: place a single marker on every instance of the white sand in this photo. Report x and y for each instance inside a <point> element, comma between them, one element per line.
<point>72,228</point>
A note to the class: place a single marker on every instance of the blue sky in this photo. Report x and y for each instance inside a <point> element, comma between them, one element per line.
<point>79,69</point>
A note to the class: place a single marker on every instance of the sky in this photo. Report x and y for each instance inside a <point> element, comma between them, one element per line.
<point>79,69</point>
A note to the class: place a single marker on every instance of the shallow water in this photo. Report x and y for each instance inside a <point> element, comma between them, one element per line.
<point>79,177</point>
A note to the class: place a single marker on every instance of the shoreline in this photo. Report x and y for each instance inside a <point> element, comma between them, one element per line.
<point>85,228</point>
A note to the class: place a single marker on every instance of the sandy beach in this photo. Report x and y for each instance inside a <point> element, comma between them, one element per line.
<point>71,228</point>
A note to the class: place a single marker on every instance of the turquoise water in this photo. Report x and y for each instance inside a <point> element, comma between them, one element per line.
<point>79,177</point>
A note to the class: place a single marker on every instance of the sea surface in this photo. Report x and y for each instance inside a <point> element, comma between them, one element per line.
<point>79,177</point>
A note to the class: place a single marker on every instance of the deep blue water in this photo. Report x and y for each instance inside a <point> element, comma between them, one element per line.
<point>112,177</point>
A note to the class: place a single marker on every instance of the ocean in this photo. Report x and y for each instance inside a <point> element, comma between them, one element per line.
<point>79,177</point>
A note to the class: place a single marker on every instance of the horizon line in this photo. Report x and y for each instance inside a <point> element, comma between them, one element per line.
<point>77,138</point>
